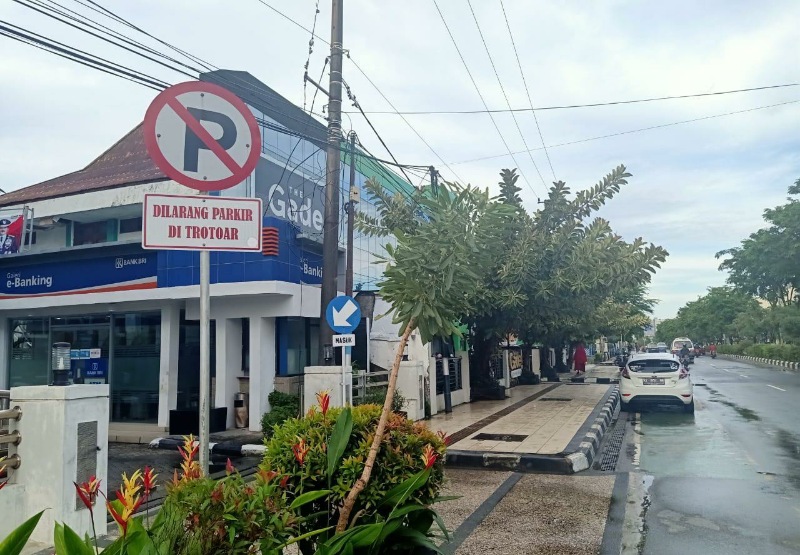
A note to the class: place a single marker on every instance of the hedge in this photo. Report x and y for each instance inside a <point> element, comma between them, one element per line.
<point>772,351</point>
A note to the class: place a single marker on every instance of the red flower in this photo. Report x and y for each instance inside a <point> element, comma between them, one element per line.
<point>87,491</point>
<point>324,401</point>
<point>429,456</point>
<point>148,481</point>
<point>229,467</point>
<point>266,475</point>
<point>444,437</point>
<point>3,484</point>
<point>284,481</point>
<point>300,450</point>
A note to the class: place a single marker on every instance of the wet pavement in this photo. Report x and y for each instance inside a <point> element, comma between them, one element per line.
<point>724,480</point>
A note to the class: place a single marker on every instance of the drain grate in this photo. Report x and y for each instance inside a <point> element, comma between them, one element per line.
<point>611,452</point>
<point>561,399</point>
<point>499,437</point>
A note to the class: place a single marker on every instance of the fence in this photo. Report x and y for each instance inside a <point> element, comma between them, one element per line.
<point>454,368</point>
<point>11,462</point>
<point>365,384</point>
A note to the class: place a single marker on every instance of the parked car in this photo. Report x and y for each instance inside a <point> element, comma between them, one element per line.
<point>656,379</point>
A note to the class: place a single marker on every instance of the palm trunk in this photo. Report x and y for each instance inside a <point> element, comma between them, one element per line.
<point>361,483</point>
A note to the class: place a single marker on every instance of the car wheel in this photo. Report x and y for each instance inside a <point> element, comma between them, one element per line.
<point>689,409</point>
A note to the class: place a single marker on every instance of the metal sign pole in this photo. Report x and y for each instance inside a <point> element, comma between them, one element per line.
<point>205,358</point>
<point>344,376</point>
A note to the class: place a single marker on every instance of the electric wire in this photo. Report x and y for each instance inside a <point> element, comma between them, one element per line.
<point>505,96</point>
<point>371,82</point>
<point>478,90</point>
<point>574,106</point>
<point>527,91</point>
<point>630,131</point>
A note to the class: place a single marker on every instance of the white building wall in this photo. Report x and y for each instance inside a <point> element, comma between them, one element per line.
<point>228,364</point>
<point>168,371</point>
<point>262,368</point>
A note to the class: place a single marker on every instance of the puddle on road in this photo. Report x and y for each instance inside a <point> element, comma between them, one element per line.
<point>790,445</point>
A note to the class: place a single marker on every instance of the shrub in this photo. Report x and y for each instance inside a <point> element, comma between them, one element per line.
<point>225,516</point>
<point>378,396</point>
<point>598,358</point>
<point>283,406</point>
<point>298,449</point>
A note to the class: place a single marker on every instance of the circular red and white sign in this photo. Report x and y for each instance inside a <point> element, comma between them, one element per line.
<point>202,136</point>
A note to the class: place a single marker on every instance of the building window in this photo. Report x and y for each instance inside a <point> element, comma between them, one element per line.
<point>30,352</point>
<point>130,225</point>
<point>89,233</point>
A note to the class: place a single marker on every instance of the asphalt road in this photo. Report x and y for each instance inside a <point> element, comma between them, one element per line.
<point>725,480</point>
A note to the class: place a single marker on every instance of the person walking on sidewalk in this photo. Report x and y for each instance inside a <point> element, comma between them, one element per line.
<point>580,359</point>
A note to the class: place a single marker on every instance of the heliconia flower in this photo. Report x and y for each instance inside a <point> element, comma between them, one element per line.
<point>429,456</point>
<point>189,467</point>
<point>300,450</point>
<point>229,467</point>
<point>148,480</point>
<point>324,400</point>
<point>87,491</point>
<point>444,437</point>
<point>129,499</point>
<point>284,481</point>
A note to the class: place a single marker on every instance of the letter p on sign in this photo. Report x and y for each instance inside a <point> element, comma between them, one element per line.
<point>202,136</point>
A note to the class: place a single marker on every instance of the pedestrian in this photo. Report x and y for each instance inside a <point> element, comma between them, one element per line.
<point>580,359</point>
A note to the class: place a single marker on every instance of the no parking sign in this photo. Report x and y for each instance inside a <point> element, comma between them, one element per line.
<point>202,136</point>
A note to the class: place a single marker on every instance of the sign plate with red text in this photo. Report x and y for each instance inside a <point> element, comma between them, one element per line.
<point>192,222</point>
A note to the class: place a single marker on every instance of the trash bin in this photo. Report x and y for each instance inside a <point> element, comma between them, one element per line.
<point>240,410</point>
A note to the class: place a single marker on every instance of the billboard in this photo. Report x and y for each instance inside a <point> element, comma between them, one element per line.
<point>12,233</point>
<point>290,196</point>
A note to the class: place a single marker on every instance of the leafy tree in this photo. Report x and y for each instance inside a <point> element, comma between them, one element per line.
<point>444,242</point>
<point>767,264</point>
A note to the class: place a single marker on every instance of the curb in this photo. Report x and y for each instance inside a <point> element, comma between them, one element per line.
<point>556,464</point>
<point>765,361</point>
<point>227,448</point>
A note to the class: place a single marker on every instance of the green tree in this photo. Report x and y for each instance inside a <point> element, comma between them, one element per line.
<point>444,242</point>
<point>767,264</point>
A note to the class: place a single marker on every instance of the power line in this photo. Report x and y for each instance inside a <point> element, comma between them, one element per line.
<point>527,92</point>
<point>71,53</point>
<point>370,81</point>
<point>573,106</point>
<point>637,130</point>
<point>508,103</point>
<point>478,90</point>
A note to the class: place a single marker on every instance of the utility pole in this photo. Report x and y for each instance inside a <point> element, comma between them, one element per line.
<point>434,180</point>
<point>351,216</point>
<point>330,238</point>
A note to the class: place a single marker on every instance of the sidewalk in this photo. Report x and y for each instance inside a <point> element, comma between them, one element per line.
<point>554,427</point>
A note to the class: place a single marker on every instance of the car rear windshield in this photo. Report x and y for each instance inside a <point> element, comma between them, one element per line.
<point>653,365</point>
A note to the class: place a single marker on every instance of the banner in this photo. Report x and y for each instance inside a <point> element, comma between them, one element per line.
<point>11,233</point>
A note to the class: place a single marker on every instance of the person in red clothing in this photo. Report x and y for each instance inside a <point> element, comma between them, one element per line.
<point>580,359</point>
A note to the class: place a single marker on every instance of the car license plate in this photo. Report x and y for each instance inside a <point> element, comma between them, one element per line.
<point>653,381</point>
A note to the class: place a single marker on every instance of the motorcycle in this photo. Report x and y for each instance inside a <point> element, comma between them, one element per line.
<point>621,360</point>
<point>713,354</point>
<point>685,361</point>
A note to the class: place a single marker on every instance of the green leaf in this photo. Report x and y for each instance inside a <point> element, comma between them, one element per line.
<point>340,437</point>
<point>73,544</point>
<point>16,540</point>
<point>308,497</point>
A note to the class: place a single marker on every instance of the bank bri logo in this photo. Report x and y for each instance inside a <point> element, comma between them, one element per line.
<point>118,263</point>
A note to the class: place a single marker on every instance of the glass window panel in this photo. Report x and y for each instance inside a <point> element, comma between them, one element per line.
<point>30,352</point>
<point>136,367</point>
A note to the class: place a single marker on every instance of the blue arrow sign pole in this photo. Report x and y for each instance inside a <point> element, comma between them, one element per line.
<point>343,315</point>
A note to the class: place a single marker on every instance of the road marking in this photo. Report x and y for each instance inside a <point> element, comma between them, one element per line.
<point>778,388</point>
<point>637,441</point>
<point>748,377</point>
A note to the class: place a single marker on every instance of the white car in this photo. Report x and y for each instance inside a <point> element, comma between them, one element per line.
<point>656,379</point>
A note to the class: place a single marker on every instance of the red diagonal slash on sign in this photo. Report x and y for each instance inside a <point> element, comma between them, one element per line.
<point>204,135</point>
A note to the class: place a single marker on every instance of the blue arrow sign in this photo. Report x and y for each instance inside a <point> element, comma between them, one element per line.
<point>343,314</point>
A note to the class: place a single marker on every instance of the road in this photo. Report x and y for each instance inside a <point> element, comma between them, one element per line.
<point>724,480</point>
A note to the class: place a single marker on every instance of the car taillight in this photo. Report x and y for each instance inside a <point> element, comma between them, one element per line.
<point>625,373</point>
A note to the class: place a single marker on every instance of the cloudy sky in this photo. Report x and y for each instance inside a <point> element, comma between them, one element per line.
<point>696,188</point>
